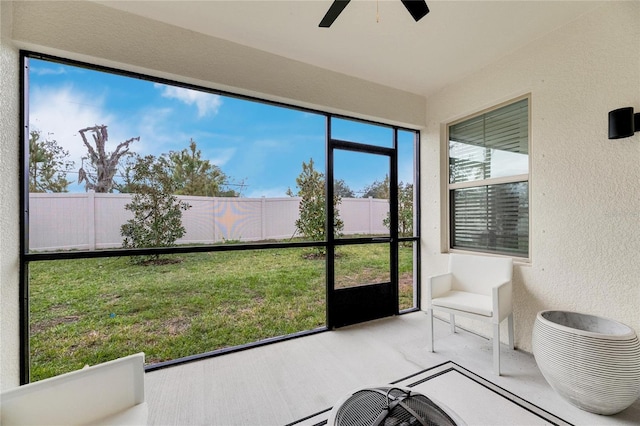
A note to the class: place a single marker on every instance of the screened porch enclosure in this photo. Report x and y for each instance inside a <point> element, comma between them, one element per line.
<point>209,232</point>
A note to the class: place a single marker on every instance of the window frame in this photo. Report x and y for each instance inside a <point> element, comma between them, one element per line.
<point>448,188</point>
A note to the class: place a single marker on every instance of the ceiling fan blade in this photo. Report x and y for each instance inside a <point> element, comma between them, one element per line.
<point>336,8</point>
<point>417,8</point>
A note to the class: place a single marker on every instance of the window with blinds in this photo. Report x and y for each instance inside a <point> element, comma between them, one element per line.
<point>489,181</point>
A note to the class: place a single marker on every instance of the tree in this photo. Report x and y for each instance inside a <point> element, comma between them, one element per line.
<point>102,166</point>
<point>311,189</point>
<point>342,189</point>
<point>196,176</point>
<point>48,166</point>
<point>125,170</point>
<point>405,211</point>
<point>157,213</point>
<point>377,189</point>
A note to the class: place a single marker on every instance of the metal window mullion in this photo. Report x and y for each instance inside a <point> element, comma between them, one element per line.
<point>329,233</point>
<point>393,225</point>
<point>24,326</point>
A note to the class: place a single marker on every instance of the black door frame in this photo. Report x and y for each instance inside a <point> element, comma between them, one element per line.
<point>368,302</point>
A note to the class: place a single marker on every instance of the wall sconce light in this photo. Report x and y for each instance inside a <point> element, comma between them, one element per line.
<point>623,123</point>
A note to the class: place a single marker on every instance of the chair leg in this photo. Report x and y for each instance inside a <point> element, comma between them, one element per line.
<point>510,325</point>
<point>430,329</point>
<point>496,349</point>
<point>452,322</point>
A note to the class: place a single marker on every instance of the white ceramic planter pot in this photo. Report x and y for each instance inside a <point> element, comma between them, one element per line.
<point>592,362</point>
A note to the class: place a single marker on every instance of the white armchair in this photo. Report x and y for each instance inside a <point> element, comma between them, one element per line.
<point>108,394</point>
<point>477,287</point>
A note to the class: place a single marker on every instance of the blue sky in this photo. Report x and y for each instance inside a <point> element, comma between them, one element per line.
<point>253,143</point>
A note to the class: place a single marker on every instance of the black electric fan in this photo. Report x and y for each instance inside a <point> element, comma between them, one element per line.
<point>417,8</point>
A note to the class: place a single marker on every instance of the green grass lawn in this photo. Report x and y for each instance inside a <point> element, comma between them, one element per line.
<point>89,311</point>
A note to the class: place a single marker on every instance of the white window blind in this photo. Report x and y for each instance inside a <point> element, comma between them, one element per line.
<point>489,183</point>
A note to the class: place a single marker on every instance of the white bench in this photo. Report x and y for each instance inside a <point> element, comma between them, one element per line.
<point>111,393</point>
<point>477,287</point>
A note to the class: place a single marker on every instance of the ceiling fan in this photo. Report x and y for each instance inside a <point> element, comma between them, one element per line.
<point>417,8</point>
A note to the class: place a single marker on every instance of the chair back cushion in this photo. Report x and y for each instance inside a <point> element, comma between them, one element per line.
<point>479,274</point>
<point>86,396</point>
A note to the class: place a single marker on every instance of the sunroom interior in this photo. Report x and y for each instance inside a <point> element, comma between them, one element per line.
<point>572,61</point>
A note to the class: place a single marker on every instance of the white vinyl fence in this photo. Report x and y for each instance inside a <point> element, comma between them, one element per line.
<point>90,221</point>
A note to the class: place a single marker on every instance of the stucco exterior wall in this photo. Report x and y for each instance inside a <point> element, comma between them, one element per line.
<point>9,211</point>
<point>584,188</point>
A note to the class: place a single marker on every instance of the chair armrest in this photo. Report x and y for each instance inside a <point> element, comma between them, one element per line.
<point>437,285</point>
<point>502,301</point>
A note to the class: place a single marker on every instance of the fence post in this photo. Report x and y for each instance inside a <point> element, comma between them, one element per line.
<point>370,215</point>
<point>91,218</point>
<point>263,218</point>
<point>213,218</point>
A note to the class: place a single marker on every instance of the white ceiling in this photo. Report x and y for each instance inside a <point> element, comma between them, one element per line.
<point>455,39</point>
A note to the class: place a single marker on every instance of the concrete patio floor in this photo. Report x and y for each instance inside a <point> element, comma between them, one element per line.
<point>279,383</point>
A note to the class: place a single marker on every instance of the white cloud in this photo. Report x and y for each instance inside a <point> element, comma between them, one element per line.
<point>206,103</point>
<point>41,70</point>
<point>153,126</point>
<point>60,112</point>
<point>219,157</point>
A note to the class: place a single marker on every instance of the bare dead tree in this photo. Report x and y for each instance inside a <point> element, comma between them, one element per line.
<point>103,165</point>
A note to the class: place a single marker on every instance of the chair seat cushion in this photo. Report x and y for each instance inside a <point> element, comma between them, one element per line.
<point>468,302</point>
